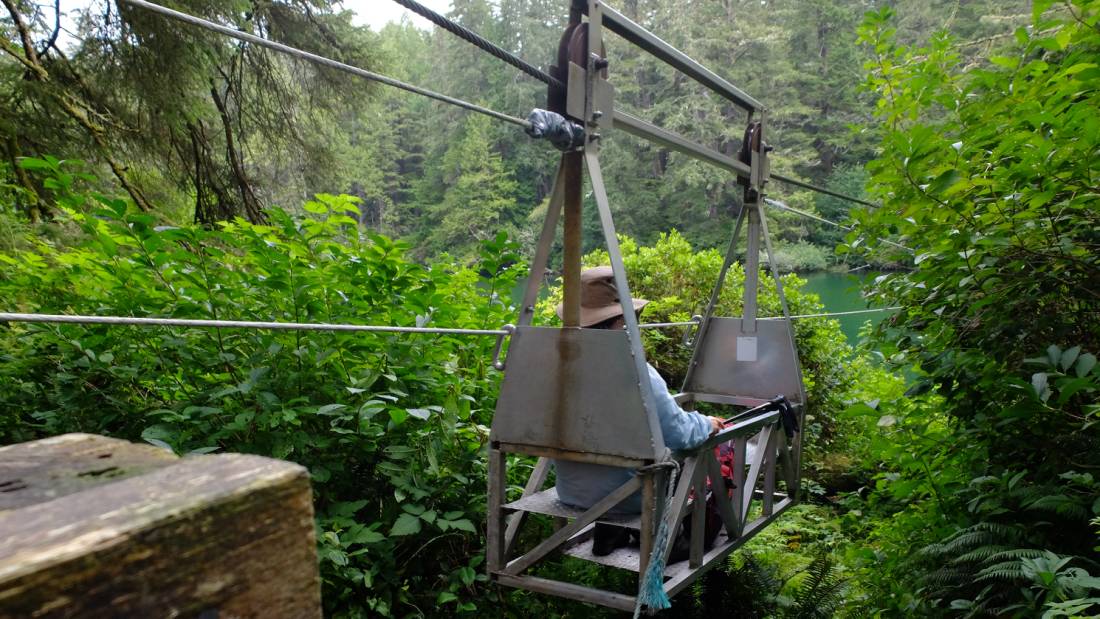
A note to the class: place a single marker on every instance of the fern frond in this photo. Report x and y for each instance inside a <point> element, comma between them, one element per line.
<point>1006,570</point>
<point>1017,553</point>
<point>1059,504</point>
<point>947,576</point>
<point>981,554</point>
<point>822,592</point>
<point>1004,531</point>
<point>969,540</point>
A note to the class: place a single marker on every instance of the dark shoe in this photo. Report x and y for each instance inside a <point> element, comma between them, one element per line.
<point>606,538</point>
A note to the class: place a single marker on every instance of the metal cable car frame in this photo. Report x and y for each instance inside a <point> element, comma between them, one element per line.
<point>566,392</point>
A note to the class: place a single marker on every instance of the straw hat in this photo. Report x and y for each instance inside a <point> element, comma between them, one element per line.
<point>600,298</point>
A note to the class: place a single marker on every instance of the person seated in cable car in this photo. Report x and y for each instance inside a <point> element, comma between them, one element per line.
<point>581,484</point>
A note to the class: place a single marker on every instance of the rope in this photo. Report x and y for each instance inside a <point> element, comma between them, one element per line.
<point>651,593</point>
<point>321,60</point>
<point>479,41</point>
<point>236,324</point>
<point>783,207</point>
<point>828,192</point>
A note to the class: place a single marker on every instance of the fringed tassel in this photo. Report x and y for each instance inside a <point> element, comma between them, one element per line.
<point>651,594</point>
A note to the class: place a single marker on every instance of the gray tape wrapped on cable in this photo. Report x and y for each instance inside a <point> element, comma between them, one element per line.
<point>563,133</point>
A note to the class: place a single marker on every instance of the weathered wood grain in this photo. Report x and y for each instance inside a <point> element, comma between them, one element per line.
<point>209,536</point>
<point>45,470</point>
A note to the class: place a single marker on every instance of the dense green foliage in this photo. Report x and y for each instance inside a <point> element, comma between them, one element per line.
<point>990,173</point>
<point>390,426</point>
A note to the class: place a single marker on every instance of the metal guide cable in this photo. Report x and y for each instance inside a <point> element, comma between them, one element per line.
<point>134,321</point>
<point>237,324</point>
<point>783,207</point>
<point>321,60</point>
<point>829,192</point>
<point>479,41</point>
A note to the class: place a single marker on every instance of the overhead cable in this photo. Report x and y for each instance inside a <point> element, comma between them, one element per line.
<point>479,41</point>
<point>828,192</point>
<point>783,207</point>
<point>237,324</point>
<point>321,60</point>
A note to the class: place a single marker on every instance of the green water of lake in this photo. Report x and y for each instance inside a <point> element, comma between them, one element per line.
<point>840,292</point>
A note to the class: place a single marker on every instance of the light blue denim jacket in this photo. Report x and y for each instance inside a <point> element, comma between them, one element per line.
<point>582,485</point>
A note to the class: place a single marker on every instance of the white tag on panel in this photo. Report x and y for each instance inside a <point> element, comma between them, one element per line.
<point>746,349</point>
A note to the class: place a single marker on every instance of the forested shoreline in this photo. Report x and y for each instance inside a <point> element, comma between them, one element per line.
<point>151,169</point>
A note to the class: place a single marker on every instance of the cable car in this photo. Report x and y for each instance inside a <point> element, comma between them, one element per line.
<point>583,395</point>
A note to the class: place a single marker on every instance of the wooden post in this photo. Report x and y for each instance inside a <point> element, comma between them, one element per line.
<point>98,527</point>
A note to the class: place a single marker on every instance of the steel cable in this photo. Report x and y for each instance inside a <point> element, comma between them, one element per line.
<point>829,192</point>
<point>479,41</point>
<point>134,321</point>
<point>783,207</point>
<point>321,60</point>
<point>236,324</point>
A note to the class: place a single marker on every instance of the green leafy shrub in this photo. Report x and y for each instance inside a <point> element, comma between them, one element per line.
<point>988,170</point>
<point>390,426</point>
<point>800,257</point>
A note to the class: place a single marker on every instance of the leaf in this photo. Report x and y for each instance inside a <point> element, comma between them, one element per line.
<point>1068,357</point>
<point>886,421</point>
<point>366,537</point>
<point>329,408</point>
<point>320,474</point>
<point>1054,354</point>
<point>1039,384</point>
<point>944,181</point>
<point>466,575</point>
<point>419,413</point>
<point>315,207</point>
<point>1085,363</point>
<point>32,163</point>
<point>406,524</point>
<point>159,443</point>
<point>444,597</point>
<point>463,525</point>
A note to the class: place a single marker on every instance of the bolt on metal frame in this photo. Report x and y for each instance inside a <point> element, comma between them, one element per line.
<point>568,393</point>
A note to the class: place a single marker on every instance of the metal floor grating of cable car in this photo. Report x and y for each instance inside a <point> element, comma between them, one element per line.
<point>628,558</point>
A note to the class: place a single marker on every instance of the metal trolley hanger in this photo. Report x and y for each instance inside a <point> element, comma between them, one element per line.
<point>583,394</point>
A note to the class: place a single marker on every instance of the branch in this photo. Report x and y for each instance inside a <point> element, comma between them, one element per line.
<point>56,28</point>
<point>24,31</point>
